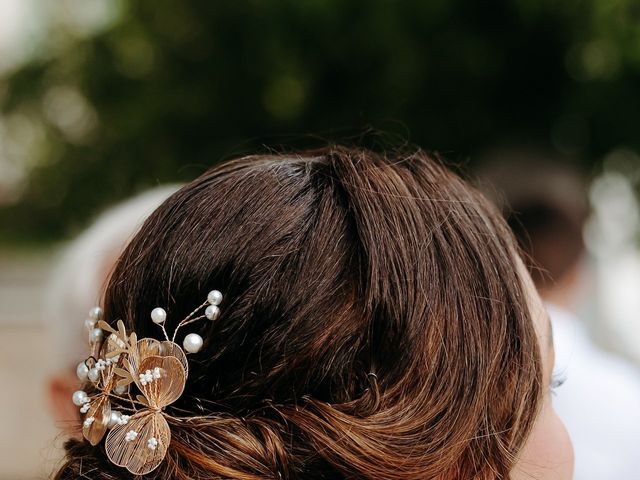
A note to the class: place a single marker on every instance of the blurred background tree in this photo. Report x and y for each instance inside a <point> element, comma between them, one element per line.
<point>157,92</point>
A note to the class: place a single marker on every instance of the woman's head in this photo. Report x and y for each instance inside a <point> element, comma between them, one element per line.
<point>375,322</point>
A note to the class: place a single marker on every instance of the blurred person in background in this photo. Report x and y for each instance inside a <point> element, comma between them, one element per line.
<point>76,286</point>
<point>545,204</point>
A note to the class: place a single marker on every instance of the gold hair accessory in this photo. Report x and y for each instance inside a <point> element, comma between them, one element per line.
<point>158,369</point>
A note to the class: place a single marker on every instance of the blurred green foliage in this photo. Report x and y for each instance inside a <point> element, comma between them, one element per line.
<point>173,86</point>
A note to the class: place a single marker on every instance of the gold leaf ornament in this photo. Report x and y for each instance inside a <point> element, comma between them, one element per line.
<point>147,347</point>
<point>95,422</point>
<point>141,444</point>
<point>96,418</point>
<point>159,369</point>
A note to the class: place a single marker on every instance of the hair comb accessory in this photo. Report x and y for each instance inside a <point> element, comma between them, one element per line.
<point>121,365</point>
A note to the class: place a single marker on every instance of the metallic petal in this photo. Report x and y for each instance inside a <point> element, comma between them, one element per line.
<point>135,455</point>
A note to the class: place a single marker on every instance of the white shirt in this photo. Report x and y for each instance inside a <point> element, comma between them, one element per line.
<point>599,403</point>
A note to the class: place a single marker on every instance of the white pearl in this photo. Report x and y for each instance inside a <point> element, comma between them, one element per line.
<point>90,324</point>
<point>79,398</point>
<point>158,315</point>
<point>212,312</point>
<point>114,418</point>
<point>82,371</point>
<point>94,374</point>
<point>121,389</point>
<point>192,343</point>
<point>214,297</point>
<point>95,335</point>
<point>96,313</point>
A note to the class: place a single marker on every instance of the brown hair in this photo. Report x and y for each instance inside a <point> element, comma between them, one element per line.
<point>374,323</point>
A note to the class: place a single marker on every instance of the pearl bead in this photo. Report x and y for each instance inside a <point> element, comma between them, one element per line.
<point>158,315</point>
<point>121,390</point>
<point>96,313</point>
<point>214,297</point>
<point>95,335</point>
<point>192,343</point>
<point>114,418</point>
<point>82,371</point>
<point>94,374</point>
<point>79,398</point>
<point>212,312</point>
<point>90,324</point>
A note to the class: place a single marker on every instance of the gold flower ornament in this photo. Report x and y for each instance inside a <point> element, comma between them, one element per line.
<point>158,370</point>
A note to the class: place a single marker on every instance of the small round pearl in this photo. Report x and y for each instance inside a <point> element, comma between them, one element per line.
<point>96,313</point>
<point>214,297</point>
<point>95,335</point>
<point>82,371</point>
<point>121,390</point>
<point>79,398</point>
<point>192,343</point>
<point>158,315</point>
<point>94,374</point>
<point>90,324</point>
<point>114,418</point>
<point>212,312</point>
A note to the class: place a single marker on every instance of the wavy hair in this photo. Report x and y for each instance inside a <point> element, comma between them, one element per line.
<point>374,324</point>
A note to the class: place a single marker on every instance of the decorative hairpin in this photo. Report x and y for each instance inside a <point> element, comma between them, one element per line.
<point>138,439</point>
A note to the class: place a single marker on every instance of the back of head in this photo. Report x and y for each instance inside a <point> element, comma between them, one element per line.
<point>373,322</point>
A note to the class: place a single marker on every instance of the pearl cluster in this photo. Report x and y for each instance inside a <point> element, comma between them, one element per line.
<point>88,421</point>
<point>83,372</point>
<point>193,342</point>
<point>213,310</point>
<point>85,408</point>
<point>95,314</point>
<point>121,389</point>
<point>95,334</point>
<point>149,376</point>
<point>79,398</point>
<point>117,418</point>
<point>152,443</point>
<point>94,373</point>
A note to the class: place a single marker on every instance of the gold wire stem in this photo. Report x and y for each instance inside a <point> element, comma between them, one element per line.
<point>192,320</point>
<point>124,399</point>
<point>188,319</point>
<point>164,331</point>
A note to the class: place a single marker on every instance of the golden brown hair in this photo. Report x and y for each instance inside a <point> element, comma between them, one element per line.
<point>374,324</point>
